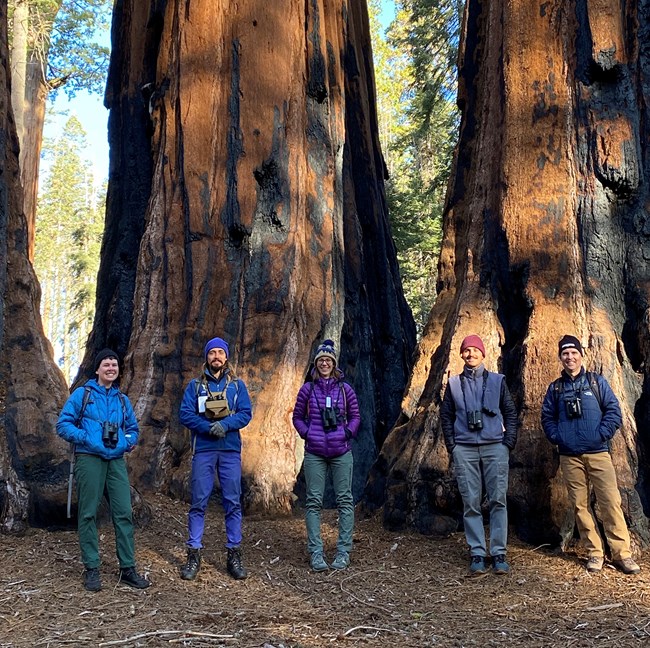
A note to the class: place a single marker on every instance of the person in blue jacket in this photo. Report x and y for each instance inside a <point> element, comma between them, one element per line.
<point>580,415</point>
<point>100,423</point>
<point>215,407</point>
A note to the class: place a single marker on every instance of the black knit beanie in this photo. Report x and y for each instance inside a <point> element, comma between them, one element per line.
<point>569,342</point>
<point>102,355</point>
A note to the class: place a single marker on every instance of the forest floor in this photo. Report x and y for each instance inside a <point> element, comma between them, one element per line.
<point>401,589</point>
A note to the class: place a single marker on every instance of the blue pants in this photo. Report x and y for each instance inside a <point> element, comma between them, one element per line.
<point>475,464</point>
<point>227,465</point>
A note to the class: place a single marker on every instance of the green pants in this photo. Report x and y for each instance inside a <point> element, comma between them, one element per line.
<point>315,475</point>
<point>95,476</point>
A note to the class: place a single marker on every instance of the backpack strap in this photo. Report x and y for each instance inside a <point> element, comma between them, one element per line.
<point>595,387</point>
<point>592,381</point>
<point>122,397</point>
<point>84,403</point>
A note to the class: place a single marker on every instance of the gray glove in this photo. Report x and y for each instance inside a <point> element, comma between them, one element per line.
<point>216,430</point>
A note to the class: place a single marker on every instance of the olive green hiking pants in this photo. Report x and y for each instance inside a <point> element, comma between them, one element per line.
<point>96,476</point>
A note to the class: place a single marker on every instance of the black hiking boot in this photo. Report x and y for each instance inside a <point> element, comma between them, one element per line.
<point>235,567</point>
<point>191,568</point>
<point>92,581</point>
<point>130,577</point>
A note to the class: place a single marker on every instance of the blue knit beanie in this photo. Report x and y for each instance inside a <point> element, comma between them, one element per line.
<point>216,343</point>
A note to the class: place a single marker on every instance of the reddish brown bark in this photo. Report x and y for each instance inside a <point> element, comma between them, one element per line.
<point>32,389</point>
<point>265,223</point>
<point>545,233</point>
<point>30,153</point>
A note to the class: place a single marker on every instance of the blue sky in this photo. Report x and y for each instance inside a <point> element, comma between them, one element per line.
<point>90,111</point>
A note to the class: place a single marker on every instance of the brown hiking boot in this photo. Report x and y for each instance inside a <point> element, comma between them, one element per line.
<point>626,565</point>
<point>594,564</point>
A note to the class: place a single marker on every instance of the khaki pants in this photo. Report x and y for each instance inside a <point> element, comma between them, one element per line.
<point>598,470</point>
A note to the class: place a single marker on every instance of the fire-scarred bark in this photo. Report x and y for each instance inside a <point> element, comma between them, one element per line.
<point>33,469</point>
<point>250,129</point>
<point>546,232</point>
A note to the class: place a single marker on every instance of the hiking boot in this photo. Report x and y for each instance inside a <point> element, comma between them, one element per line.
<point>341,560</point>
<point>499,565</point>
<point>317,562</point>
<point>477,565</point>
<point>92,581</point>
<point>192,565</point>
<point>130,577</point>
<point>626,565</point>
<point>234,564</point>
<point>594,564</point>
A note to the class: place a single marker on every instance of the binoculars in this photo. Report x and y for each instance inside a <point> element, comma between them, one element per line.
<point>573,407</point>
<point>109,434</point>
<point>475,420</point>
<point>330,418</point>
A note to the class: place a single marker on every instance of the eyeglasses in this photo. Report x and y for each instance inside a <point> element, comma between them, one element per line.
<point>325,360</point>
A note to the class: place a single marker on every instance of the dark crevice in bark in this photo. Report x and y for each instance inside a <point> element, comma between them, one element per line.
<point>230,215</point>
<point>129,133</point>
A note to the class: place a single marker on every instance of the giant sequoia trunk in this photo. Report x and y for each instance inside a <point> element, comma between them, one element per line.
<point>30,90</point>
<point>546,232</point>
<point>32,389</point>
<point>250,129</point>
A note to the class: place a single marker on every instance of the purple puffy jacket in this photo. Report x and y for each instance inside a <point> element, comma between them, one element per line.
<point>308,421</point>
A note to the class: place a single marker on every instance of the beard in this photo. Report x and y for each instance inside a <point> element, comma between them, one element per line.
<point>216,366</point>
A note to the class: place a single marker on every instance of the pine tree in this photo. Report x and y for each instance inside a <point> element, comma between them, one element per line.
<point>68,238</point>
<point>54,44</point>
<point>418,121</point>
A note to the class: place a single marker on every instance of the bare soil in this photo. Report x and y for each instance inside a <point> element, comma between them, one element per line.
<point>402,589</point>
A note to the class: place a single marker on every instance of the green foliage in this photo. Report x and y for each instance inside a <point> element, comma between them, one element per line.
<point>75,54</point>
<point>63,37</point>
<point>69,229</point>
<point>418,119</point>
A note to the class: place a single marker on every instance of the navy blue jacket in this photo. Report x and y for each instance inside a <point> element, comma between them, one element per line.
<point>103,405</point>
<point>198,424</point>
<point>588,433</point>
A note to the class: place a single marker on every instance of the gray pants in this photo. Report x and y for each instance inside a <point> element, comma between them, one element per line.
<point>473,465</point>
<point>315,476</point>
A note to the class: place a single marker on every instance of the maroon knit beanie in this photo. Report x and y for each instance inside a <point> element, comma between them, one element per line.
<point>473,341</point>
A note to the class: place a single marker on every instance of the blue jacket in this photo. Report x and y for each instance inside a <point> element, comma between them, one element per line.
<point>499,415</point>
<point>103,405</point>
<point>198,424</point>
<point>588,433</point>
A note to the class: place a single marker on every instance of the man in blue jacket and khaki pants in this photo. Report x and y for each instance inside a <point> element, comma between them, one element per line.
<point>580,415</point>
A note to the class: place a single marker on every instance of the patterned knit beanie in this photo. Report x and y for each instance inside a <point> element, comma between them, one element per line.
<point>325,350</point>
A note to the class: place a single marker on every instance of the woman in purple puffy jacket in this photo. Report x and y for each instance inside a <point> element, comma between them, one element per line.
<point>326,416</point>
